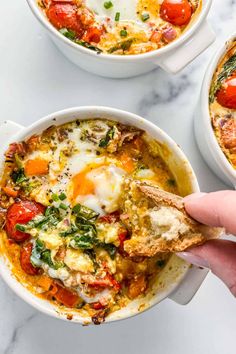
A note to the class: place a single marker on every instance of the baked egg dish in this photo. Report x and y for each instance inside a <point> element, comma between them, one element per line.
<point>222,103</point>
<point>62,225</point>
<point>122,27</point>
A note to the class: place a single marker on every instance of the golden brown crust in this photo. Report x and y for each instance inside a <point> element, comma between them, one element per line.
<point>145,243</point>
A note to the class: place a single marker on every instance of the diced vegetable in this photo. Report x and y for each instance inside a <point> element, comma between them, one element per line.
<point>10,191</point>
<point>36,167</point>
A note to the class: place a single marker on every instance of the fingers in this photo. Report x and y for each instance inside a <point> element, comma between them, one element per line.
<point>214,209</point>
<point>217,255</point>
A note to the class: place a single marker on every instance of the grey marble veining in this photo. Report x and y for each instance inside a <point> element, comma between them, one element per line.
<point>35,79</point>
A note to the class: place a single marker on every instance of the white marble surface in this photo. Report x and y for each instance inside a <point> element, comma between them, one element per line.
<point>35,79</point>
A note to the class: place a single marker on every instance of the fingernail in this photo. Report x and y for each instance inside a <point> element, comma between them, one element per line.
<point>191,258</point>
<point>194,196</point>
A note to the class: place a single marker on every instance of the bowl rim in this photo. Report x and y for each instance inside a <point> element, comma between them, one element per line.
<point>134,119</point>
<point>209,134</point>
<point>124,58</point>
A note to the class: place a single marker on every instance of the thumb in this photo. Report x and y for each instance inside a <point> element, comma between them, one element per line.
<point>213,209</point>
<point>217,255</point>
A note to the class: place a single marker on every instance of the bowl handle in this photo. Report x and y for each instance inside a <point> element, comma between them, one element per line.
<point>177,59</point>
<point>7,130</point>
<point>184,293</point>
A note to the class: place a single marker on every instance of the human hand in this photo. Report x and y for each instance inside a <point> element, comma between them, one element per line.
<point>215,209</point>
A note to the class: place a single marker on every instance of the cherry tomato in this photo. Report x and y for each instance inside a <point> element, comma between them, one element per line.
<point>21,212</point>
<point>177,12</point>
<point>26,265</point>
<point>64,15</point>
<point>226,96</point>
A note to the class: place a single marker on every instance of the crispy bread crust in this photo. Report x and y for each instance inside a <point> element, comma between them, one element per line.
<point>149,245</point>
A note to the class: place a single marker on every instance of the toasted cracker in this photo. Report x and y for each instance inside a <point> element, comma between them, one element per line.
<point>140,197</point>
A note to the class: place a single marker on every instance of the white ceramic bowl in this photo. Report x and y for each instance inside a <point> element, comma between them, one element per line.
<point>180,282</point>
<point>171,58</point>
<point>206,139</point>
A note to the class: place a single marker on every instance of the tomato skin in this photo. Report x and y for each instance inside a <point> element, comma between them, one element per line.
<point>176,12</point>
<point>21,212</point>
<point>66,297</point>
<point>226,96</point>
<point>64,15</point>
<point>26,265</point>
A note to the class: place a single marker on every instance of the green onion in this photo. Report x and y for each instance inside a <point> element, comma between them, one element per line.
<point>109,136</point>
<point>63,206</point>
<point>68,33</point>
<point>108,4</point>
<point>20,227</point>
<point>55,197</point>
<point>62,196</point>
<point>145,17</point>
<point>117,16</point>
<point>123,33</point>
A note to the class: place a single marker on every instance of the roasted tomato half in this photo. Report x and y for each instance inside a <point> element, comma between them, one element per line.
<point>226,96</point>
<point>21,212</point>
<point>64,15</point>
<point>177,12</point>
<point>26,265</point>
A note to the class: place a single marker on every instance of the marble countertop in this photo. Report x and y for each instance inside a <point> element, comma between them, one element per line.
<point>35,79</point>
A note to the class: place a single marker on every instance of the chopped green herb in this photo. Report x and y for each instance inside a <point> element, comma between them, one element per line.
<point>109,136</point>
<point>123,33</point>
<point>68,33</point>
<point>145,16</point>
<point>110,248</point>
<point>63,206</point>
<point>87,213</point>
<point>18,176</point>
<point>88,45</point>
<point>73,229</point>
<point>55,197</point>
<point>20,227</point>
<point>82,242</point>
<point>108,4</point>
<point>62,196</point>
<point>125,45</point>
<point>41,255</point>
<point>117,17</point>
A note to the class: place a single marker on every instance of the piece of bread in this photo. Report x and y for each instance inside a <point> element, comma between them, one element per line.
<point>158,222</point>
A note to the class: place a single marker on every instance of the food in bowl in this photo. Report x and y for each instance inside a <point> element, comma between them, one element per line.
<point>223,103</point>
<point>157,221</point>
<point>121,27</point>
<point>62,229</point>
